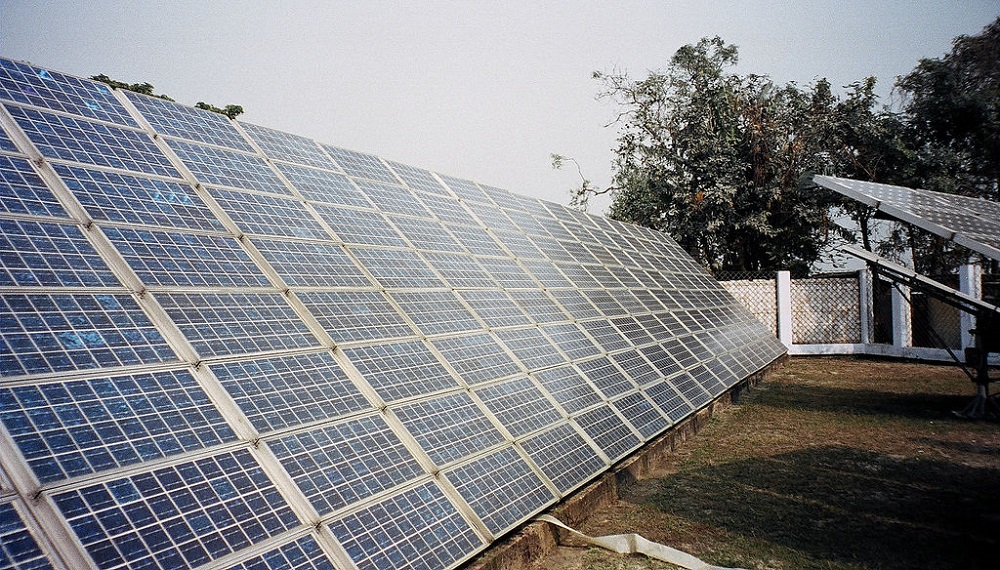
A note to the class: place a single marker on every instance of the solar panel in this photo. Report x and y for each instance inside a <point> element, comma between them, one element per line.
<point>22,191</point>
<point>341,464</point>
<point>290,355</point>
<point>78,140</point>
<point>520,406</point>
<point>501,489</point>
<point>184,122</point>
<point>971,222</point>
<point>288,147</point>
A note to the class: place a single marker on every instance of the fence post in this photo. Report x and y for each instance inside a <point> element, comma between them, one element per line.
<point>970,277</point>
<point>902,317</point>
<point>784,305</point>
<point>865,305</point>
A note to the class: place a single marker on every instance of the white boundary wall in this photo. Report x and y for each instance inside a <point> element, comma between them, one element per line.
<point>845,318</point>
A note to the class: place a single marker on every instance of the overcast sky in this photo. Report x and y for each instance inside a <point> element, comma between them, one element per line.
<point>481,90</point>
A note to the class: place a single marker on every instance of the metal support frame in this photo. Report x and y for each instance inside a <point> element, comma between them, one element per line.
<point>986,334</point>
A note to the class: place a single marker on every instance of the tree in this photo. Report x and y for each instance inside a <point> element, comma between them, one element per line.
<point>721,161</point>
<point>950,113</point>
<point>231,111</point>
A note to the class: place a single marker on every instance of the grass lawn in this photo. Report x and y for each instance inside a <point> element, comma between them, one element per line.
<point>830,463</point>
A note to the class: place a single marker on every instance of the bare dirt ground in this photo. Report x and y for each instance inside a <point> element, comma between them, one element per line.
<point>830,463</point>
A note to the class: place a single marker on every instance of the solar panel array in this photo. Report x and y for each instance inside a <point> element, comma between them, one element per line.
<point>232,347</point>
<point>970,222</point>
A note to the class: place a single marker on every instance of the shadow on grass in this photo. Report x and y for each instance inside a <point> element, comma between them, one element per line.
<point>867,402</point>
<point>842,505</point>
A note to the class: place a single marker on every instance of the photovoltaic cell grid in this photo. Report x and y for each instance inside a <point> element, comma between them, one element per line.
<point>970,222</point>
<point>519,359</point>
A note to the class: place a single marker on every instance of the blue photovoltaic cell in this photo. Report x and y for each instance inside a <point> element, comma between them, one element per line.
<point>459,270</point>
<point>323,186</point>
<point>303,554</point>
<point>531,347</point>
<point>495,308</point>
<point>360,226</point>
<point>636,367</point>
<point>609,432</point>
<point>185,122</point>
<point>447,209</point>
<point>401,370</point>
<point>220,167</point>
<point>361,165</point>
<point>269,215</point>
<point>449,427</point>
<point>426,234</point>
<point>57,332</point>
<point>661,359</point>
<point>501,489</point>
<point>279,145</point>
<point>564,456</point>
<point>31,85</point>
<point>465,189</point>
<point>67,138</point>
<point>392,199</point>
<point>643,416</point>
<point>18,549</point>
<point>5,142</point>
<point>355,315</point>
<point>186,260</point>
<point>477,358</point>
<point>570,339</point>
<point>417,529</point>
<point>606,376</point>
<point>312,263</point>
<point>537,305</point>
<point>475,240</point>
<point>179,516</point>
<point>691,390</point>
<point>575,303</point>
<point>507,271</point>
<point>669,400</point>
<point>568,388</point>
<point>339,465</point>
<point>606,335</point>
<point>74,428</point>
<point>287,391</point>
<point>519,405</point>
<point>519,245</point>
<point>48,254</point>
<point>116,197</point>
<point>546,273</point>
<point>218,324</point>
<point>491,217</point>
<point>418,178</point>
<point>397,268</point>
<point>22,191</point>
<point>436,312</point>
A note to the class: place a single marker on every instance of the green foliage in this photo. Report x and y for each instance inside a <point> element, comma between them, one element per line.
<point>231,111</point>
<point>951,116</point>
<point>723,161</point>
<point>144,88</point>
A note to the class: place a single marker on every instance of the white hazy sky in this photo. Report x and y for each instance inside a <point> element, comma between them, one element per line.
<point>481,90</point>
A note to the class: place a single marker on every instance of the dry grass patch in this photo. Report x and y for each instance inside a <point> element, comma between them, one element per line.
<point>831,463</point>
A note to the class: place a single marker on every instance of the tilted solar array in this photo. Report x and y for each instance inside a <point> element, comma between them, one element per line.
<point>225,346</point>
<point>970,222</point>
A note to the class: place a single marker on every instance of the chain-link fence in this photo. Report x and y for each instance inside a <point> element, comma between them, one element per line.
<point>757,291</point>
<point>936,324</point>
<point>826,309</point>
